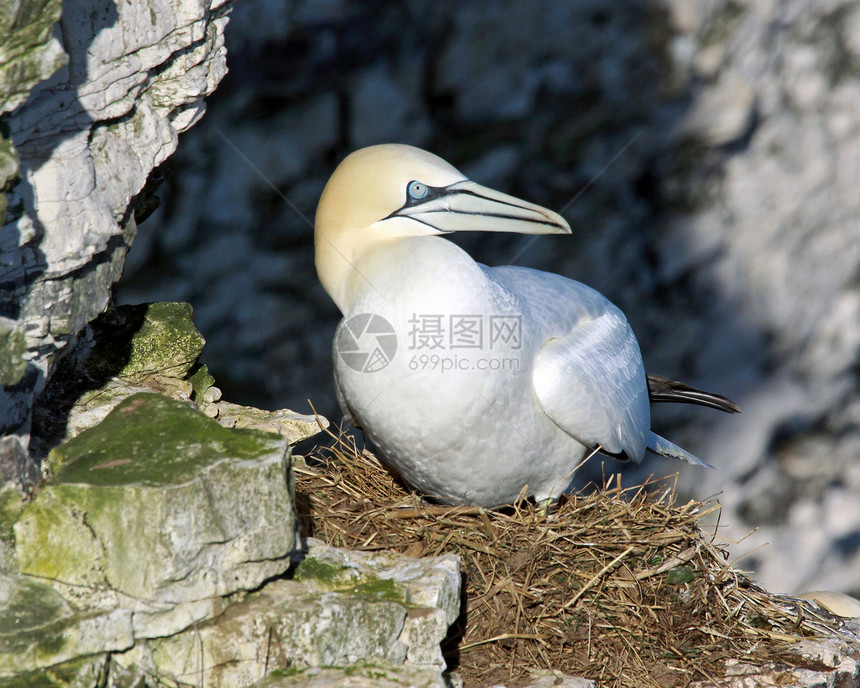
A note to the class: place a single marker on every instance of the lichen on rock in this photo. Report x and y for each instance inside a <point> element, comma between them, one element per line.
<point>369,674</point>
<point>76,151</point>
<point>144,348</point>
<point>38,628</point>
<point>29,52</point>
<point>338,608</point>
<point>153,441</point>
<point>12,348</point>
<point>134,342</point>
<point>160,508</point>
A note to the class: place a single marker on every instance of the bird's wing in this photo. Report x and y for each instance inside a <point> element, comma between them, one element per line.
<point>591,383</point>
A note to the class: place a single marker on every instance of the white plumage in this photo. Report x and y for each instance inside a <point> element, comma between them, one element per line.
<point>503,378</point>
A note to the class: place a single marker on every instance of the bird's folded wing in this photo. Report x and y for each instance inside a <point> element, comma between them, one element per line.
<point>591,383</point>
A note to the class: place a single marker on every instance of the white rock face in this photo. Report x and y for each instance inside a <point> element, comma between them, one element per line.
<point>175,514</point>
<point>784,232</point>
<point>88,139</point>
<point>342,607</point>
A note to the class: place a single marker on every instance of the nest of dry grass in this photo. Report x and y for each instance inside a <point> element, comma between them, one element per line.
<point>622,586</point>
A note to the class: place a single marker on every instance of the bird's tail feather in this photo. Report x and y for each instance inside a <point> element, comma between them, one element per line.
<point>663,389</point>
<point>664,447</point>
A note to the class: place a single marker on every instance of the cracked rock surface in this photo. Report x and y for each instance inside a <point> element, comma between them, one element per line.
<point>339,607</point>
<point>163,545</point>
<point>160,510</point>
<point>89,110</point>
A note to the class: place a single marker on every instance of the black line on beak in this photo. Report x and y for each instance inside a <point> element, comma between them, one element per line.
<point>436,192</point>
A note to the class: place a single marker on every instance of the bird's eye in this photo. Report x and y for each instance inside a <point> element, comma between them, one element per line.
<point>417,190</point>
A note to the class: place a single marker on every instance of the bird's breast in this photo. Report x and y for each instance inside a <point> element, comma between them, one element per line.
<point>430,328</point>
<point>433,359</point>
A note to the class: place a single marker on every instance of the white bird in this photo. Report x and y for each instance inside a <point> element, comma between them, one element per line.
<point>474,383</point>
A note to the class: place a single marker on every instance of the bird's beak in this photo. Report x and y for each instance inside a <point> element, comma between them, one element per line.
<point>469,207</point>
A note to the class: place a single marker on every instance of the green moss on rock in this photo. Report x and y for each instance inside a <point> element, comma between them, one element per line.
<point>151,440</point>
<point>27,52</point>
<point>167,341</point>
<point>42,638</point>
<point>12,349</point>
<point>323,575</point>
<point>384,588</point>
<point>56,543</point>
<point>66,675</point>
<point>11,505</point>
<point>39,629</point>
<point>162,503</point>
<point>201,381</point>
<point>26,605</point>
<point>326,575</point>
<point>147,339</point>
<point>79,673</point>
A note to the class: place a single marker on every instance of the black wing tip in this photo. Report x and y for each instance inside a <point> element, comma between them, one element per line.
<point>663,389</point>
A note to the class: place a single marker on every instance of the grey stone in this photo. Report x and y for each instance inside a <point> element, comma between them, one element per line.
<point>427,582</point>
<point>280,625</point>
<point>295,427</point>
<point>87,139</point>
<point>38,628</point>
<point>741,675</point>
<point>160,510</point>
<point>362,675</point>
<point>423,630</point>
<point>340,607</point>
<point>723,113</point>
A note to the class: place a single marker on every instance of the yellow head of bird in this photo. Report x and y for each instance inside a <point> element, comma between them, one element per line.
<point>393,191</point>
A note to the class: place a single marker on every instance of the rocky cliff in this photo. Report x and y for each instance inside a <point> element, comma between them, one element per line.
<point>91,105</point>
<point>705,155</point>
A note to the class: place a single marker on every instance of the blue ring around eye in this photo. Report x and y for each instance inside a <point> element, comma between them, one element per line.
<point>417,190</point>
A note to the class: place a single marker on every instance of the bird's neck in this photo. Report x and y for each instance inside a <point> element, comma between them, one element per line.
<point>334,260</point>
<point>350,274</point>
<point>343,265</point>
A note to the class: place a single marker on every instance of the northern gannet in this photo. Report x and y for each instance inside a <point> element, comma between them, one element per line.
<point>474,383</point>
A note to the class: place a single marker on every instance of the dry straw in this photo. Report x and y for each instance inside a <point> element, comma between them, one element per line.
<point>620,585</point>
